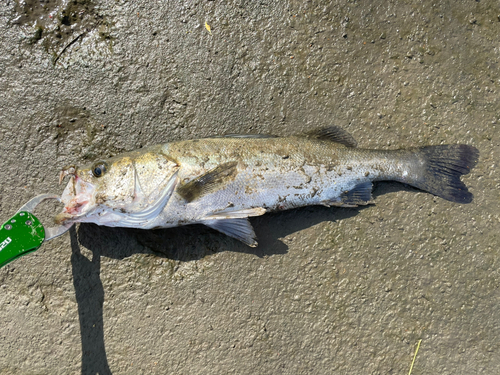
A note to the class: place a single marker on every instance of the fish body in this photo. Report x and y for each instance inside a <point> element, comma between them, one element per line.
<point>221,181</point>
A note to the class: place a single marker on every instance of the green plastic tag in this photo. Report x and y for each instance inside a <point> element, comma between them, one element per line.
<point>21,234</point>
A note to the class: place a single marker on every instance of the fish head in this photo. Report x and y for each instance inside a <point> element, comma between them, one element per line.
<point>111,191</point>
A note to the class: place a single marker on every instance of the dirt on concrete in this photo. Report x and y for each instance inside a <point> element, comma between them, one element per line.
<point>328,291</point>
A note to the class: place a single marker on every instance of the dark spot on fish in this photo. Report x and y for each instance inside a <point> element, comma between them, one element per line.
<point>349,168</point>
<point>314,192</point>
<point>100,199</point>
<point>367,173</point>
<point>307,177</point>
<point>286,156</point>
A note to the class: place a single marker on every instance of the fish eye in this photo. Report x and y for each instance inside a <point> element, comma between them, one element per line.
<point>99,169</point>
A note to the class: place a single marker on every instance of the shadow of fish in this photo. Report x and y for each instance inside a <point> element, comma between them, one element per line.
<point>221,181</point>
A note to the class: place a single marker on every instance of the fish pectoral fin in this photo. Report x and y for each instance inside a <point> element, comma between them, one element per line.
<point>333,134</point>
<point>241,229</point>
<point>209,182</point>
<point>231,213</point>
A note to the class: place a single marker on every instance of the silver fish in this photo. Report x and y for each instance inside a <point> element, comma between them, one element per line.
<point>221,181</point>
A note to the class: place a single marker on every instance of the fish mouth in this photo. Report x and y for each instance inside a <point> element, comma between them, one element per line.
<point>71,213</point>
<point>77,197</point>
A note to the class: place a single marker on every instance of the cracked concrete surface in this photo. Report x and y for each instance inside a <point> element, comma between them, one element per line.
<point>344,291</point>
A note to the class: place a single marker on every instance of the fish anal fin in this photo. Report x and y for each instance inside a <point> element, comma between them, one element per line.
<point>334,134</point>
<point>231,213</point>
<point>360,195</point>
<point>209,182</point>
<point>241,229</point>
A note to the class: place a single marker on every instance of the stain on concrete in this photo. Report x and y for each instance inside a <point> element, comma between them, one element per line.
<point>59,24</point>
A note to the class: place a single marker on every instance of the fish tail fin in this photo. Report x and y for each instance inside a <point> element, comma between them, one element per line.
<point>441,168</point>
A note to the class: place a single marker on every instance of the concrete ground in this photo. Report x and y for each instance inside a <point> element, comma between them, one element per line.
<point>328,291</point>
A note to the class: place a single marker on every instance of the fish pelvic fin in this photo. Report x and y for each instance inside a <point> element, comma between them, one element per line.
<point>234,223</point>
<point>333,134</point>
<point>241,229</point>
<point>442,167</point>
<point>209,182</point>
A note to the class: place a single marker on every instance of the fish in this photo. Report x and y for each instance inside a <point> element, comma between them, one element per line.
<point>221,181</point>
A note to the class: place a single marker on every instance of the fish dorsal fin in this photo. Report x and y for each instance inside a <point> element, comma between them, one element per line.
<point>241,229</point>
<point>333,134</point>
<point>209,182</point>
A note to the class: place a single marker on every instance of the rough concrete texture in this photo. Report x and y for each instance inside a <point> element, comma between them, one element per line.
<point>328,291</point>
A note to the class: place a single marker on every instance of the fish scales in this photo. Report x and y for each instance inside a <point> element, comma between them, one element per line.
<point>221,181</point>
<point>276,173</point>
